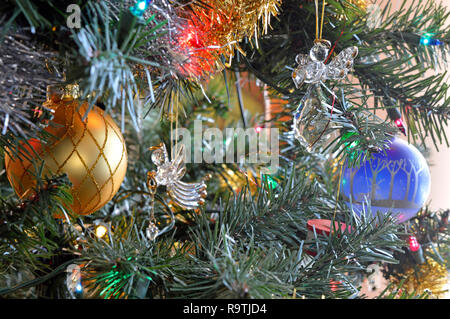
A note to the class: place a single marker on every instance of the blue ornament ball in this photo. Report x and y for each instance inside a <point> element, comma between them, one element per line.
<point>397,180</point>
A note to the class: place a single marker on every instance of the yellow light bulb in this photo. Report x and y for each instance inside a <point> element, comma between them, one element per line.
<point>100,231</point>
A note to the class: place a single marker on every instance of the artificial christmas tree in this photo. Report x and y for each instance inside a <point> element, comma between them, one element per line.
<point>173,74</point>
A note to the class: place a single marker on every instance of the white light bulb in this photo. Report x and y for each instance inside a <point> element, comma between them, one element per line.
<point>100,231</point>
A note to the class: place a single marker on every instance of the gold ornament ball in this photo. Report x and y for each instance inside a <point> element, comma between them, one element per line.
<point>91,152</point>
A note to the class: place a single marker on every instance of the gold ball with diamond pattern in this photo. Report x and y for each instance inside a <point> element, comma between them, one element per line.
<point>91,152</point>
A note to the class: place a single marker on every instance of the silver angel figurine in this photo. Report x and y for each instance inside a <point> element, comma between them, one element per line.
<point>312,69</point>
<point>169,173</point>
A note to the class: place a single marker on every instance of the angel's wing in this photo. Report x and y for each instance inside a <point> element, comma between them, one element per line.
<point>188,195</point>
<point>178,162</point>
<point>299,74</point>
<point>341,64</point>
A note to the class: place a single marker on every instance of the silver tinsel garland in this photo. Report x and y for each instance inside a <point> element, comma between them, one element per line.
<point>25,73</point>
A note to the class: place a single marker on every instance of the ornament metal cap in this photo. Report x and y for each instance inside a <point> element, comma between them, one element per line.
<point>323,41</point>
<point>57,93</point>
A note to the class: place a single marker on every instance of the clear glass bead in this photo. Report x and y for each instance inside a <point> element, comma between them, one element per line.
<point>319,52</point>
<point>158,157</point>
<point>152,231</point>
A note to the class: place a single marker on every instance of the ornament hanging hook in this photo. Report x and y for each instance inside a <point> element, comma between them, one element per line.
<point>152,230</point>
<point>319,31</point>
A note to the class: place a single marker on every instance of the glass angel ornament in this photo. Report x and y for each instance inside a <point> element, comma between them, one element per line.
<point>312,119</point>
<point>169,173</point>
<point>312,68</point>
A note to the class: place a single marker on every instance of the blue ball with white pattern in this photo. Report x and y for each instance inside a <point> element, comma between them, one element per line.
<point>397,180</point>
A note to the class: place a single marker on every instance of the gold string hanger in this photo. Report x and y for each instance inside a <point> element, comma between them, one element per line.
<point>319,30</point>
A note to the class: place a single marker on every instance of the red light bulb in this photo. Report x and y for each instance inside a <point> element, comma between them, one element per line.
<point>413,244</point>
<point>400,125</point>
<point>334,285</point>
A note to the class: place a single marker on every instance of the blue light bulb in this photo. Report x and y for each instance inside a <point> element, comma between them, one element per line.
<point>78,288</point>
<point>140,7</point>
<point>427,39</point>
<point>436,42</point>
